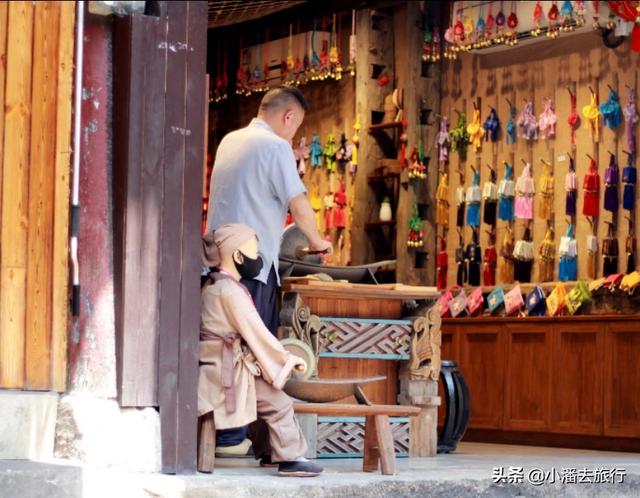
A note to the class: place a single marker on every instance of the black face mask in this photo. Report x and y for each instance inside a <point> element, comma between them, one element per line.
<point>249,268</point>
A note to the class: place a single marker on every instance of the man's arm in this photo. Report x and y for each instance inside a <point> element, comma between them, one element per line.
<point>305,219</point>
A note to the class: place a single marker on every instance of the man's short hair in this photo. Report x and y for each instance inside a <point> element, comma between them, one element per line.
<point>281,96</point>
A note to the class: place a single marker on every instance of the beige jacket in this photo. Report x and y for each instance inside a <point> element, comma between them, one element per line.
<point>235,347</point>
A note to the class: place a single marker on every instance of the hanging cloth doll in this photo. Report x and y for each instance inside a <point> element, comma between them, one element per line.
<point>574,118</point>
<point>592,116</point>
<point>490,262</point>
<point>611,111</point>
<point>525,191</point>
<point>591,187</point>
<point>442,265</point>
<point>506,262</point>
<point>547,120</point>
<point>546,251</point>
<point>610,252</point>
<point>460,137</point>
<point>631,118</point>
<point>474,258</point>
<point>475,130</point>
<point>527,123</point>
<point>511,126</point>
<point>592,255</point>
<point>460,198</point>
<point>629,178</point>
<point>490,198</point>
<point>630,249</point>
<point>442,201</point>
<point>571,188</point>
<point>339,207</point>
<point>545,206</point>
<point>611,185</point>
<point>355,142</point>
<point>443,140</point>
<point>342,157</point>
<point>301,154</point>
<point>568,267</point>
<point>523,258</point>
<point>329,153</point>
<point>506,191</point>
<point>491,126</point>
<point>316,152</point>
<point>317,204</point>
<point>461,262</point>
<point>328,212</point>
<point>472,200</point>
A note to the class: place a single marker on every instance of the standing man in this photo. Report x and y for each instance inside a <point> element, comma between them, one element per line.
<point>254,182</point>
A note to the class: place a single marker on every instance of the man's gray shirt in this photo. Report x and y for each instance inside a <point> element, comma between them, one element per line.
<point>254,178</point>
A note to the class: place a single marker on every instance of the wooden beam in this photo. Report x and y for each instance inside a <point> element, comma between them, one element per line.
<point>15,171</point>
<point>60,265</point>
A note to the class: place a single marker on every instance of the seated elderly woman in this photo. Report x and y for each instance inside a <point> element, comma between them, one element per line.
<point>243,367</point>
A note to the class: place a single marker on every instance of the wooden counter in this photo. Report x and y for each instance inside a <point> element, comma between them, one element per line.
<point>567,381</point>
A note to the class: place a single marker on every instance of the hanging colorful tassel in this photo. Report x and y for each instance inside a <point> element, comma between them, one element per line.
<point>592,116</point>
<point>610,252</point>
<point>442,265</point>
<point>329,153</point>
<point>611,177</point>
<point>527,123</point>
<point>630,249</point>
<point>328,212</point>
<point>404,138</point>
<point>568,267</point>
<point>492,126</point>
<point>537,18</point>
<point>506,260</point>
<point>339,207</point>
<point>460,205</point>
<point>571,188</point>
<point>316,152</point>
<point>472,199</point>
<point>511,126</point>
<point>506,191</point>
<point>442,201</point>
<point>591,187</point>
<point>490,199</point>
<point>417,170</point>
<point>574,118</point>
<point>415,237</point>
<point>629,179</point>
<point>443,140</point>
<point>490,262</point>
<point>523,258</point>
<point>342,157</point>
<point>547,120</point>
<point>592,255</point>
<point>460,137</point>
<point>546,251</point>
<point>631,118</point>
<point>461,262</point>
<point>474,259</point>
<point>611,111</point>
<point>475,131</point>
<point>525,190</point>
<point>353,44</point>
<point>546,183</point>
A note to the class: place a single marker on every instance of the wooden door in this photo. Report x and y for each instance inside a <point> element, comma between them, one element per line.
<point>528,372</point>
<point>577,374</point>
<point>622,380</point>
<point>36,49</point>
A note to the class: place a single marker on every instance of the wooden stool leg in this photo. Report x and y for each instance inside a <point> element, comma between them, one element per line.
<point>385,445</point>
<point>206,443</point>
<point>371,451</point>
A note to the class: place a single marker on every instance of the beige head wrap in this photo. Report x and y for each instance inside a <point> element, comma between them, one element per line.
<point>226,239</point>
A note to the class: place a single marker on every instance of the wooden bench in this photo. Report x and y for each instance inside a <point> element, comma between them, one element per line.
<point>378,439</point>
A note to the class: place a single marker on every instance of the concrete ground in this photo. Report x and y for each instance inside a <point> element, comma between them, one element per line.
<point>475,469</point>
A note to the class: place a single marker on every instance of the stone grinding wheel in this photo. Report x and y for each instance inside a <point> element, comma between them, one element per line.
<point>292,241</point>
<point>304,351</point>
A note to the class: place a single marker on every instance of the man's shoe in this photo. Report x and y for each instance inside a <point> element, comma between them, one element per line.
<point>299,469</point>
<point>242,450</point>
<point>265,461</point>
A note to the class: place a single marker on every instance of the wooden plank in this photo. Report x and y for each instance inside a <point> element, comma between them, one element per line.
<point>385,445</point>
<point>15,171</point>
<point>371,452</point>
<point>41,192</point>
<point>343,410</point>
<point>206,443</point>
<point>191,240</point>
<point>169,337</point>
<point>4,8</point>
<point>60,266</point>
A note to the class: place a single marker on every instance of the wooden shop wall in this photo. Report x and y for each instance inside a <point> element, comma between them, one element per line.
<point>36,50</point>
<point>534,72</point>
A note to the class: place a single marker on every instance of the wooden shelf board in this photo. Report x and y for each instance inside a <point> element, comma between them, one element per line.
<point>385,126</point>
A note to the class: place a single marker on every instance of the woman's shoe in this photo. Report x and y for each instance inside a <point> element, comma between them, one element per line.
<point>299,469</point>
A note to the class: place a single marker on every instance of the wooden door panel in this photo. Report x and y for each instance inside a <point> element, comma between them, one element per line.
<point>527,377</point>
<point>576,378</point>
<point>622,380</point>
<point>482,363</point>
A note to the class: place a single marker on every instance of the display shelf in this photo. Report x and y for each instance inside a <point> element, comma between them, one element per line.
<point>385,126</point>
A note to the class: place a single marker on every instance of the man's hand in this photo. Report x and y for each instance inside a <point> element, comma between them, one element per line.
<point>321,246</point>
<point>301,367</point>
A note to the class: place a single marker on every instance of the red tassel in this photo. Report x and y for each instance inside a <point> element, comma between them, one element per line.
<point>635,38</point>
